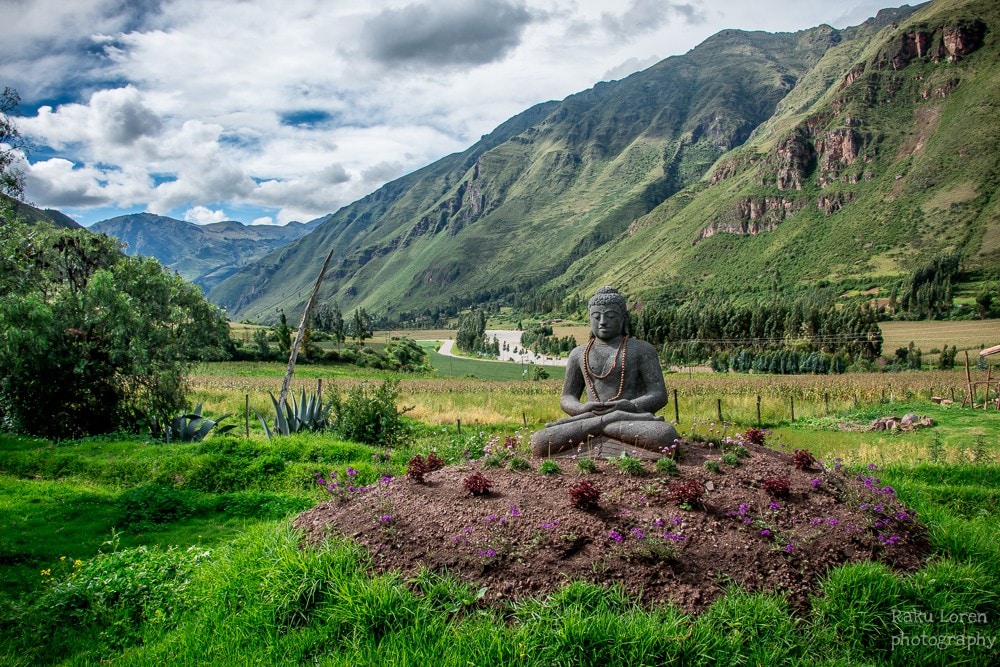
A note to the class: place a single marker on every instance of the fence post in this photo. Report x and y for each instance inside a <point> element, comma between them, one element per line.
<point>246,414</point>
<point>792,398</point>
<point>718,409</point>
<point>758,411</point>
<point>677,414</point>
<point>524,418</point>
<point>458,425</point>
<point>826,399</point>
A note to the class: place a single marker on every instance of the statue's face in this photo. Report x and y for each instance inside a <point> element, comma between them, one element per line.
<point>607,322</point>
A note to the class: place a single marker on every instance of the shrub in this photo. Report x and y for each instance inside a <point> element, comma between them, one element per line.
<point>370,415</point>
<point>549,467</point>
<point>418,466</point>
<point>627,465</point>
<point>519,463</point>
<point>667,466</point>
<point>777,487</point>
<point>584,495</point>
<point>803,459</point>
<point>477,484</point>
<point>586,465</point>
<point>153,503</point>
<point>755,436</point>
<point>686,492</point>
<point>712,466</point>
<point>731,459</point>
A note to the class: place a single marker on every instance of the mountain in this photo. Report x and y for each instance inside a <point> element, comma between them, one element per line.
<point>31,215</point>
<point>821,158</point>
<point>202,254</point>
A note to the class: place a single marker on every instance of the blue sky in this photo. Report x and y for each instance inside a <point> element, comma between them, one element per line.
<point>267,111</point>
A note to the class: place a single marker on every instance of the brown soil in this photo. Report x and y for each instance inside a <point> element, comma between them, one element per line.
<point>525,538</point>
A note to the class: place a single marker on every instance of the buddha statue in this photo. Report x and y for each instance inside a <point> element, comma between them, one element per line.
<point>613,389</point>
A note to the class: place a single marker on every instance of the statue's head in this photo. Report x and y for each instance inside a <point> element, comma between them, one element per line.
<point>608,314</point>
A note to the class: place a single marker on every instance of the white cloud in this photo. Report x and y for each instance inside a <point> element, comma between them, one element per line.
<point>291,109</point>
<point>202,215</point>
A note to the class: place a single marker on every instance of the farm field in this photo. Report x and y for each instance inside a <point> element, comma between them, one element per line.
<point>125,550</point>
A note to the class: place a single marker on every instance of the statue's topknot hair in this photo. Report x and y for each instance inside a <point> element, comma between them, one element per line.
<point>606,296</point>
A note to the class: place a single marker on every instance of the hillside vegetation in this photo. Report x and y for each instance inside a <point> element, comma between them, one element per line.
<point>783,162</point>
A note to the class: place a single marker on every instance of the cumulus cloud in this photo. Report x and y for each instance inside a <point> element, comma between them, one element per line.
<point>202,215</point>
<point>446,33</point>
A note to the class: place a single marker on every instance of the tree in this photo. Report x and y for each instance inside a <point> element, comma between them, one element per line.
<point>361,325</point>
<point>92,341</point>
<point>284,334</point>
<point>12,145</point>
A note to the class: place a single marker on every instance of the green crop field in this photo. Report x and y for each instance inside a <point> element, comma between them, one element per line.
<point>129,551</point>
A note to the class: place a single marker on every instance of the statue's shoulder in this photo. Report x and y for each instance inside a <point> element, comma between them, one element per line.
<point>642,347</point>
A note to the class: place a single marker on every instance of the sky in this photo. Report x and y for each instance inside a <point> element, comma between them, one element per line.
<point>268,111</point>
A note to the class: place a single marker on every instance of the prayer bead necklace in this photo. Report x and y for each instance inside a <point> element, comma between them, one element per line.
<point>587,372</point>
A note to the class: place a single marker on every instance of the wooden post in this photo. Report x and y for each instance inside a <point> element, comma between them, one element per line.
<point>986,397</point>
<point>246,415</point>
<point>826,399</point>
<point>458,425</point>
<point>758,411</point>
<point>718,409</point>
<point>952,394</point>
<point>855,401</point>
<point>524,418</point>
<point>294,352</point>
<point>792,398</point>
<point>968,382</point>
<point>677,414</point>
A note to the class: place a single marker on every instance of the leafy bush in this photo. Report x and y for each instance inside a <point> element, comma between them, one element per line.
<point>95,342</point>
<point>803,459</point>
<point>370,415</point>
<point>627,465</point>
<point>777,487</point>
<point>755,436</point>
<point>154,503</point>
<point>477,484</point>
<point>519,463</point>
<point>584,495</point>
<point>686,492</point>
<point>586,465</point>
<point>418,466</point>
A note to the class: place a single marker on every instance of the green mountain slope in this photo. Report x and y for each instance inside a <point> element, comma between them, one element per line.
<point>754,160</point>
<point>202,254</point>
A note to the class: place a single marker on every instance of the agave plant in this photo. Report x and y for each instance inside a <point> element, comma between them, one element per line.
<point>308,413</point>
<point>188,427</point>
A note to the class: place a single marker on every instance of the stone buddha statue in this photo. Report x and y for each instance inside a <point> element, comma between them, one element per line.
<point>613,388</point>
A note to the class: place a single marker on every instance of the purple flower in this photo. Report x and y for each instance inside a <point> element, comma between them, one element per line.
<point>351,472</point>
<point>765,532</point>
<point>321,481</point>
<point>773,506</point>
<point>816,522</point>
<point>638,534</point>
<point>788,547</point>
<point>815,482</point>
<point>615,536</point>
<point>902,516</point>
<point>743,509</point>
<point>678,519</point>
<point>872,467</point>
<point>385,518</point>
<point>832,522</point>
<point>548,524</point>
<point>489,553</point>
<point>514,511</point>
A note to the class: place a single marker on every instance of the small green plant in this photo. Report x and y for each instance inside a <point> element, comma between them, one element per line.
<point>935,450</point>
<point>188,427</point>
<point>712,465</point>
<point>667,466</point>
<point>627,465</point>
<point>519,464</point>
<point>587,466</point>
<point>307,413</point>
<point>979,453</point>
<point>731,458</point>
<point>369,415</point>
<point>549,467</point>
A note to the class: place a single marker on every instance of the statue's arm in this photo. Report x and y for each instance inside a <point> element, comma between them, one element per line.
<point>651,373</point>
<point>574,386</point>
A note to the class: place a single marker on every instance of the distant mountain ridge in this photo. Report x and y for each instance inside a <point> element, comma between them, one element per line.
<point>202,254</point>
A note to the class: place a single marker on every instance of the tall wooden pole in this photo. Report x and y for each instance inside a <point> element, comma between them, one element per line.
<point>294,353</point>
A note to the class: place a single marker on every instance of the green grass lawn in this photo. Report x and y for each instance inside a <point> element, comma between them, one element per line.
<point>128,551</point>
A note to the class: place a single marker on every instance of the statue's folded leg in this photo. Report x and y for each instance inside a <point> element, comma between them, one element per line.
<point>652,435</point>
<point>566,434</point>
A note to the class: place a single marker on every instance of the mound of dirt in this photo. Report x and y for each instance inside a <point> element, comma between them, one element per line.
<point>526,538</point>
